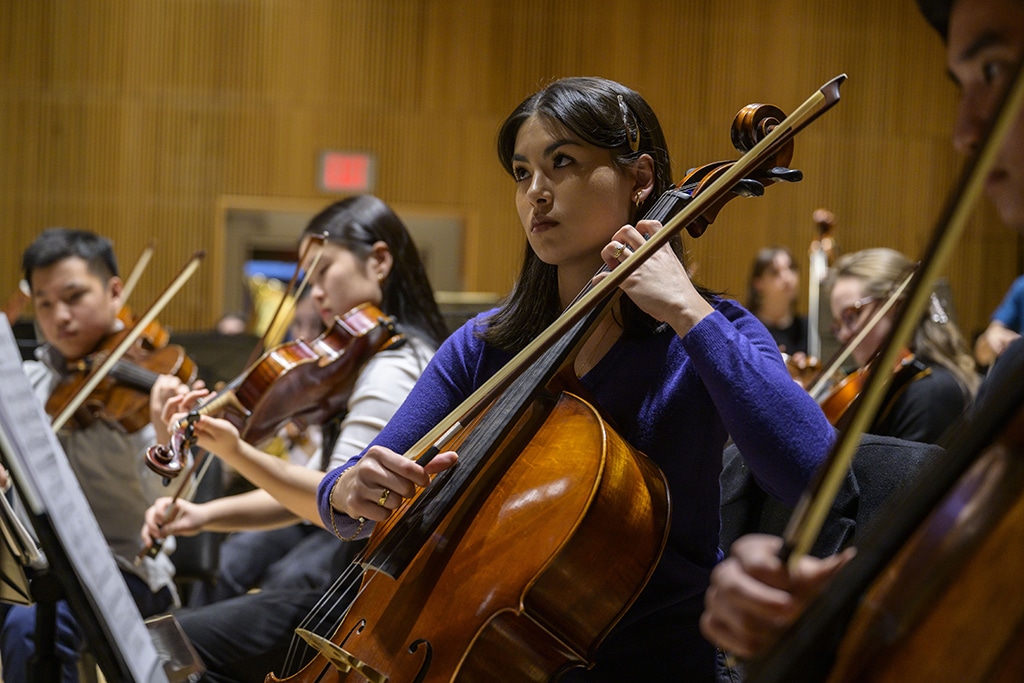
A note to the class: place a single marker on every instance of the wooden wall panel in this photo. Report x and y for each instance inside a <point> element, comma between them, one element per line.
<point>132,117</point>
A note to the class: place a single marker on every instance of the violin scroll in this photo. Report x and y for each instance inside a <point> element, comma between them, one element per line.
<point>169,460</point>
<point>295,380</point>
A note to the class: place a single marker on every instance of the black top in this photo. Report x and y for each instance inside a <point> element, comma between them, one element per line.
<point>792,339</point>
<point>924,401</point>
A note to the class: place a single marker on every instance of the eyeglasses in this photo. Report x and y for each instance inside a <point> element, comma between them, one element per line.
<point>850,315</point>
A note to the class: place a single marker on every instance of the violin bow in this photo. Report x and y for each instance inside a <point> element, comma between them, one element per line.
<point>134,333</point>
<point>186,490</point>
<point>137,270</point>
<point>809,515</point>
<point>820,383</point>
<point>275,325</point>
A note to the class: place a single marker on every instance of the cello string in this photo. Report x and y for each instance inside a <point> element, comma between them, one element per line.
<point>577,313</point>
<point>336,600</point>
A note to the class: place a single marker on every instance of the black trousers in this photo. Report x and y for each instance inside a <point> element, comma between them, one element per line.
<point>244,638</point>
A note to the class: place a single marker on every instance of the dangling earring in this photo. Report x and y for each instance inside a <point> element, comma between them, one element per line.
<point>636,199</point>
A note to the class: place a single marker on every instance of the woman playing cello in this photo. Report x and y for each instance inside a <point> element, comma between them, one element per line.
<point>675,368</point>
<point>368,257</point>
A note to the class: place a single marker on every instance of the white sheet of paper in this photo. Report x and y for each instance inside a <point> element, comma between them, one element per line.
<point>49,487</point>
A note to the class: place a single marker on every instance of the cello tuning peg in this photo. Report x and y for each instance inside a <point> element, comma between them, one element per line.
<point>789,175</point>
<point>748,187</point>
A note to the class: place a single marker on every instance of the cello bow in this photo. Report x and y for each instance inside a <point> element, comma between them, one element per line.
<point>801,647</point>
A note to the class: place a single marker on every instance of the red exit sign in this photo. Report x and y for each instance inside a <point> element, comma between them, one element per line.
<point>349,172</point>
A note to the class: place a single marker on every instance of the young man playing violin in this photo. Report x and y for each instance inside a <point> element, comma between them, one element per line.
<point>76,293</point>
<point>753,598</point>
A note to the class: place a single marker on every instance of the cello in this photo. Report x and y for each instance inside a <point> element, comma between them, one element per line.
<point>550,608</point>
<point>933,593</point>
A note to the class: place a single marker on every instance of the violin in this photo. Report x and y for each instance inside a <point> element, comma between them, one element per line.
<point>121,399</point>
<point>846,391</point>
<point>154,336</point>
<point>508,497</point>
<point>310,381</point>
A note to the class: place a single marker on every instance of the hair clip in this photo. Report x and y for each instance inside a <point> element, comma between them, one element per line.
<point>936,310</point>
<point>632,132</point>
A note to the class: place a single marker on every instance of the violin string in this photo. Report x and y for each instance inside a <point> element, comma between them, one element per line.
<point>136,375</point>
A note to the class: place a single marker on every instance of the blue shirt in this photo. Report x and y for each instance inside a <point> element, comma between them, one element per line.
<point>1011,310</point>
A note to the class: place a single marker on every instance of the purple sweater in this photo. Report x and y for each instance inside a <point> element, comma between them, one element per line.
<point>674,399</point>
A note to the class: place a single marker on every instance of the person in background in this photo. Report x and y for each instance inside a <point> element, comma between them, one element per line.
<point>76,294</point>
<point>368,257</point>
<point>1005,326</point>
<point>772,291</point>
<point>232,324</point>
<point>931,389</point>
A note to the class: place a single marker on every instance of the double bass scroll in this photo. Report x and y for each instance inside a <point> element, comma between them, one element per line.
<point>820,256</point>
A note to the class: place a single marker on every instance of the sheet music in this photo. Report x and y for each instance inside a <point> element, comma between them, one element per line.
<point>49,488</point>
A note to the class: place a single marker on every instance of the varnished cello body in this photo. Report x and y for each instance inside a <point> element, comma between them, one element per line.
<point>934,594</point>
<point>950,607</point>
<point>515,563</point>
<point>489,598</point>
